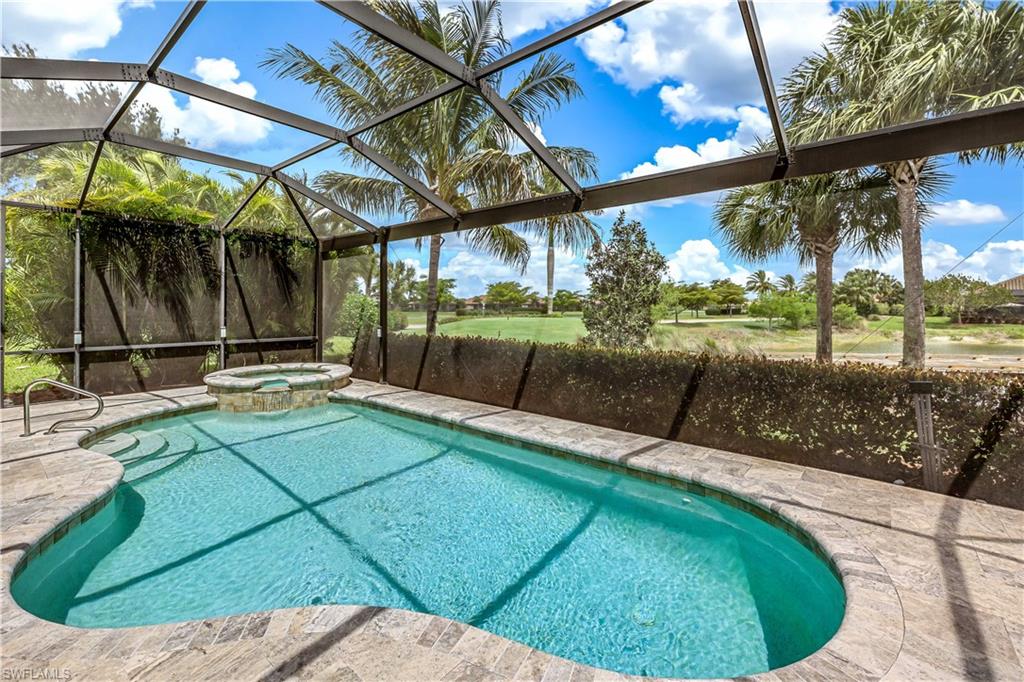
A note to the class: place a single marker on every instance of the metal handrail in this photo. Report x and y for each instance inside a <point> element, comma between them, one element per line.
<point>53,382</point>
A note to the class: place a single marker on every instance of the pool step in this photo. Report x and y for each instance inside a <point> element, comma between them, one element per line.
<point>115,444</point>
<point>175,447</point>
<point>149,444</point>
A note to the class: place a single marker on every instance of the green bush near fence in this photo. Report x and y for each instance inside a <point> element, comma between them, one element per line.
<point>851,418</point>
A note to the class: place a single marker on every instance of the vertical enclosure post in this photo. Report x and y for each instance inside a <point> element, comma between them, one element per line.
<point>318,303</point>
<point>931,456</point>
<point>382,329</point>
<point>222,310</point>
<point>79,302</point>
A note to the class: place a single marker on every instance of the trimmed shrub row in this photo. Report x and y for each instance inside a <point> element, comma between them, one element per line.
<point>851,418</point>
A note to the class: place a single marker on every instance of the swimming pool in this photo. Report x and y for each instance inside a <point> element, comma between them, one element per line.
<point>229,513</point>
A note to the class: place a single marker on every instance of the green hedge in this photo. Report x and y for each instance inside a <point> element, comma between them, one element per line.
<point>851,418</point>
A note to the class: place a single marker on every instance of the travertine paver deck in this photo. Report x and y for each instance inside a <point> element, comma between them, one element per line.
<point>935,585</point>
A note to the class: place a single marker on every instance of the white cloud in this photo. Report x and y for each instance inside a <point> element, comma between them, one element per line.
<point>753,123</point>
<point>519,18</point>
<point>994,262</point>
<point>965,212</point>
<point>699,260</point>
<point>699,50</point>
<point>204,124</point>
<point>518,146</point>
<point>60,29</point>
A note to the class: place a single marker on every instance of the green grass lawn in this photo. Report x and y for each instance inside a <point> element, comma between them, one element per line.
<point>20,370</point>
<point>418,318</point>
<point>754,335</point>
<point>543,329</point>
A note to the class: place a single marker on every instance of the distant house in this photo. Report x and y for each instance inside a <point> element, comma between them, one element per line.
<point>1016,287</point>
<point>1008,313</point>
<point>474,303</point>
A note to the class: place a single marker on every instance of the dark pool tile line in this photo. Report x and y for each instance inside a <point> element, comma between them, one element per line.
<point>693,487</point>
<point>61,530</point>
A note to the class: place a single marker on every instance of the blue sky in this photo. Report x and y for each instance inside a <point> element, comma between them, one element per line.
<point>667,86</point>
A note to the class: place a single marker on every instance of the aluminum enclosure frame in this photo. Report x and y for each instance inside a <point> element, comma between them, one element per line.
<point>941,135</point>
<point>949,134</point>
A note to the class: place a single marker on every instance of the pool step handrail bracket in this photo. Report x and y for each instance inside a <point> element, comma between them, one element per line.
<point>27,417</point>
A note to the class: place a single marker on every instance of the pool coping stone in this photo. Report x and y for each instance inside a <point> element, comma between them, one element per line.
<point>50,483</point>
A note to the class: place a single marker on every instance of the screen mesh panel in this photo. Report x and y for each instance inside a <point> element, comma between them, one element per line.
<point>111,372</point>
<point>349,299</point>
<point>20,369</point>
<point>147,282</point>
<point>43,104</point>
<point>270,286</point>
<point>241,354</point>
<point>39,288</point>
<point>49,175</point>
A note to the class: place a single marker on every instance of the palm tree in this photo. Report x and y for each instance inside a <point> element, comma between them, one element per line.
<point>813,217</point>
<point>891,63</point>
<point>786,284</point>
<point>574,232</point>
<point>760,283</point>
<point>455,145</point>
<point>808,284</point>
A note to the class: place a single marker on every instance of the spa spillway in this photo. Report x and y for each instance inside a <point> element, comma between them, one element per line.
<point>268,388</point>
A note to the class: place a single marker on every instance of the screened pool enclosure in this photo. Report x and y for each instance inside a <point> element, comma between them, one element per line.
<point>256,280</point>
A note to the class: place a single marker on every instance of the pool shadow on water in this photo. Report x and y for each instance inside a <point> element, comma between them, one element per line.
<point>538,566</point>
<point>304,507</point>
<point>100,536</point>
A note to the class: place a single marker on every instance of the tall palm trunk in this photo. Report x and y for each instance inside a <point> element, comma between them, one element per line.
<point>551,270</point>
<point>434,263</point>
<point>905,177</point>
<point>823,257</point>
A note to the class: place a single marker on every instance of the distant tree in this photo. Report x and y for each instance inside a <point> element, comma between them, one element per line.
<point>419,292</point>
<point>797,311</point>
<point>808,284</point>
<point>573,232</point>
<point>845,316</point>
<point>357,312</point>
<point>888,63</point>
<point>857,289</point>
<point>811,217</point>
<point>508,294</point>
<point>567,300</point>
<point>786,284</point>
<point>760,283</point>
<point>864,288</point>
<point>888,289</point>
<point>625,281</point>
<point>768,306</point>
<point>729,294</point>
<point>959,294</point>
<point>670,301</point>
<point>696,297</point>
<point>401,281</point>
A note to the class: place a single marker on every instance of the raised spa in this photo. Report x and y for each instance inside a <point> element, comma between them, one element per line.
<point>225,513</point>
<point>270,388</point>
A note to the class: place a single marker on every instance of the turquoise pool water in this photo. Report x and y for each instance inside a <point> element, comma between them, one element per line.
<point>230,513</point>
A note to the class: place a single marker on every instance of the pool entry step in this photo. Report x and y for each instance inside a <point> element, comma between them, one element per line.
<point>146,454</point>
